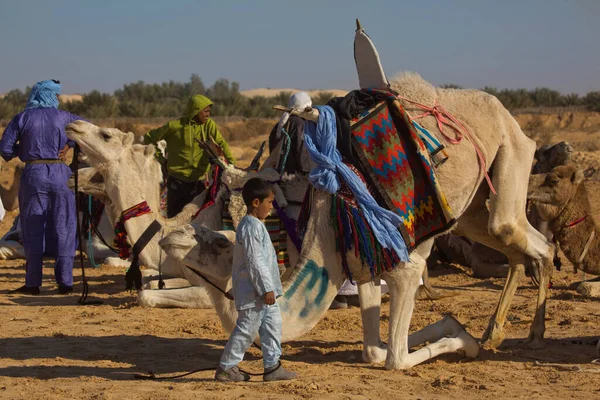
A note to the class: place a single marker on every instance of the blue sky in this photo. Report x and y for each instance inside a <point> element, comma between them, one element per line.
<point>304,44</point>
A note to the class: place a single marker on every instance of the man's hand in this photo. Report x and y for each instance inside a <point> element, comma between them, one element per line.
<point>269,298</point>
<point>62,154</point>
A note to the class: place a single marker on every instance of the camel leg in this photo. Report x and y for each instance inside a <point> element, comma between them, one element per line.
<point>190,297</point>
<point>589,288</point>
<point>150,279</point>
<point>426,290</point>
<point>369,296</point>
<point>494,334</point>
<point>446,327</point>
<point>508,229</point>
<point>538,327</point>
<point>474,227</point>
<point>403,283</point>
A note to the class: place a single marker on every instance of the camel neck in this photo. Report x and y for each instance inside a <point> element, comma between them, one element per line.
<point>317,276</point>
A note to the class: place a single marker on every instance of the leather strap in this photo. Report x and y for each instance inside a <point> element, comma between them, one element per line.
<point>44,161</point>
<point>134,275</point>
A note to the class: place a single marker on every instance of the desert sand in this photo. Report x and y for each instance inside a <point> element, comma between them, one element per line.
<point>53,348</point>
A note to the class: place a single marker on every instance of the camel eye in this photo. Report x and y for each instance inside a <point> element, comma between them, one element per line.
<point>552,180</point>
<point>106,136</point>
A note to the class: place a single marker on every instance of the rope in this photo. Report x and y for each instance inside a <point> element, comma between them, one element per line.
<point>90,247</point>
<point>84,294</point>
<point>99,236</point>
<point>577,221</point>
<point>442,116</point>
<point>152,376</point>
<point>161,283</point>
<point>288,145</point>
<point>227,295</point>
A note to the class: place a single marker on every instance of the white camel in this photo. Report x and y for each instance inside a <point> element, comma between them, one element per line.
<point>187,295</point>
<point>315,280</point>
<point>145,171</point>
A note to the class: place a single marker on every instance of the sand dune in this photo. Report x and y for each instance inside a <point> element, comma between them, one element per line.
<point>267,92</point>
<point>65,98</point>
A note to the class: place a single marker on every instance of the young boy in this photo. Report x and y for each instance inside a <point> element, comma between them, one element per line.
<point>256,285</point>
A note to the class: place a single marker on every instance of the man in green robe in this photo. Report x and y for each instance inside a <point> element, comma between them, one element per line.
<point>186,162</point>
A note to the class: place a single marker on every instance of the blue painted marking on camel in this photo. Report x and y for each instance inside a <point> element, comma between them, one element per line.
<point>315,274</point>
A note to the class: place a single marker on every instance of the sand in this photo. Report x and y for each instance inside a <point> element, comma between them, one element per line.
<point>53,348</point>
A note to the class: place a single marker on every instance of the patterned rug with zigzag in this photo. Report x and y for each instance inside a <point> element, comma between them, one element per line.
<point>398,169</point>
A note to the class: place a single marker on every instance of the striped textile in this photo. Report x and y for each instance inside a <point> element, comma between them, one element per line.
<point>397,164</point>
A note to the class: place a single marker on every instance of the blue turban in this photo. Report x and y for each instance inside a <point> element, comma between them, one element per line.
<point>44,94</point>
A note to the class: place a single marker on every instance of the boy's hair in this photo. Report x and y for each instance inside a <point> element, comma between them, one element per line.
<point>255,188</point>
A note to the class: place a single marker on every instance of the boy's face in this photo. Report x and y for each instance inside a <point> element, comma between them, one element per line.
<point>262,209</point>
<point>203,115</point>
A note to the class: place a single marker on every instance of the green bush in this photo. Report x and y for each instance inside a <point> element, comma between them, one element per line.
<point>168,99</point>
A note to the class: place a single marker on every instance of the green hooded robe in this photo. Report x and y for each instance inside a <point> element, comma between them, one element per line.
<point>185,159</point>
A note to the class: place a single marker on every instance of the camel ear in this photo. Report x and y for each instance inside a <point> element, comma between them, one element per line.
<point>149,150</point>
<point>577,177</point>
<point>128,139</point>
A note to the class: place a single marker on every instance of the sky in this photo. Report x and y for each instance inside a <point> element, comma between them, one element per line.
<point>304,44</point>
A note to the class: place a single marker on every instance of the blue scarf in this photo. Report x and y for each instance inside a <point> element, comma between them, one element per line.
<point>320,140</point>
<point>43,94</point>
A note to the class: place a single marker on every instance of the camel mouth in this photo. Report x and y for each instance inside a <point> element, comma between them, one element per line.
<point>177,240</point>
<point>569,149</point>
<point>539,199</point>
<point>72,128</point>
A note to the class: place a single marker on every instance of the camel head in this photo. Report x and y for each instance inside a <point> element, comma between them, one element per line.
<point>130,172</point>
<point>551,192</point>
<point>206,251</point>
<point>549,157</point>
<point>100,145</point>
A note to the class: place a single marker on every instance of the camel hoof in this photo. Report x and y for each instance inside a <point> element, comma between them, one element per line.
<point>535,342</point>
<point>589,289</point>
<point>492,340</point>
<point>469,347</point>
<point>375,354</point>
<point>453,325</point>
<point>425,294</point>
<point>392,365</point>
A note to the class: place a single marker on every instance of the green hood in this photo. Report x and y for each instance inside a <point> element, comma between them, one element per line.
<point>185,159</point>
<point>196,104</point>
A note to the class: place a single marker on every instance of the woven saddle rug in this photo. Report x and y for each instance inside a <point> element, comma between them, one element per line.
<point>397,167</point>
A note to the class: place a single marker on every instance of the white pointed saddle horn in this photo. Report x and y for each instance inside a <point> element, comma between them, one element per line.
<point>309,113</point>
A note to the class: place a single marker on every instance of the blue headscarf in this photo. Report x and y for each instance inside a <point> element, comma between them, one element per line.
<point>44,94</point>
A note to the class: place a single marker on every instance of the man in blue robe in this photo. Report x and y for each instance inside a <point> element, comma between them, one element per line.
<point>48,217</point>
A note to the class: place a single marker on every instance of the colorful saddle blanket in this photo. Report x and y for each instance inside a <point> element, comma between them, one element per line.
<point>397,167</point>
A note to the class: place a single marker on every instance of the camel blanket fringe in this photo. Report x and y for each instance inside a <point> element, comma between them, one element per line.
<point>352,232</point>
